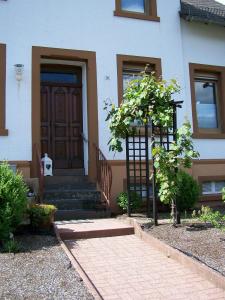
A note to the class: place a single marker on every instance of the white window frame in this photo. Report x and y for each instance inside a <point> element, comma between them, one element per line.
<point>213,188</point>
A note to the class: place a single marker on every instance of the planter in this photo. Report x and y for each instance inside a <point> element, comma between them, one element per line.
<point>42,217</point>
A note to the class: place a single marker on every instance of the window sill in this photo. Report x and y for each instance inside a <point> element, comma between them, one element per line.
<point>212,197</point>
<point>202,135</point>
<point>4,132</point>
<point>134,15</point>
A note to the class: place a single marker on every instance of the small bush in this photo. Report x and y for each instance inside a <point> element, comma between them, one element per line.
<point>41,215</point>
<point>135,201</point>
<point>13,201</point>
<point>188,191</point>
<point>11,246</point>
<point>215,218</point>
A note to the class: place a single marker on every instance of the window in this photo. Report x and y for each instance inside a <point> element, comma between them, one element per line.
<point>129,68</point>
<point>208,101</point>
<point>137,9</point>
<point>61,74</point>
<point>132,72</point>
<point>134,6</point>
<point>206,97</point>
<point>212,187</point>
<point>141,190</point>
<point>3,130</point>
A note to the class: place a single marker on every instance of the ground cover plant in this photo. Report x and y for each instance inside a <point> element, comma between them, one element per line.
<point>150,99</point>
<point>135,201</point>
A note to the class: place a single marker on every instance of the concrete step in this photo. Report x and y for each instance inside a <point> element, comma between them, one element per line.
<point>72,194</point>
<point>56,180</point>
<point>69,172</point>
<point>77,214</point>
<point>70,186</point>
<point>71,204</point>
<point>86,229</point>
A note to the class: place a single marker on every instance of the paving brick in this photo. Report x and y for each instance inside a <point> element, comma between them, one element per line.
<point>125,267</point>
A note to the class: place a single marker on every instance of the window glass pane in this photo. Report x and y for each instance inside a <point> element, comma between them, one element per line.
<point>141,190</point>
<point>128,77</point>
<point>219,185</point>
<point>59,77</point>
<point>207,187</point>
<point>206,103</point>
<point>212,187</point>
<point>133,5</point>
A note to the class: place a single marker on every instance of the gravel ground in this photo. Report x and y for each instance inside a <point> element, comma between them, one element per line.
<point>204,244</point>
<point>41,271</point>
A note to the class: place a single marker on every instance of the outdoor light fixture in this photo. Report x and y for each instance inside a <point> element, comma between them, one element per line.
<point>19,71</point>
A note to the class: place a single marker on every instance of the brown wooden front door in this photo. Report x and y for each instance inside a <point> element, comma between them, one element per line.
<point>61,116</point>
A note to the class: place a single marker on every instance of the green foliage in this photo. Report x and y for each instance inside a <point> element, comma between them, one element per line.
<point>148,98</point>
<point>41,214</point>
<point>167,163</point>
<point>13,201</point>
<point>188,191</point>
<point>223,194</point>
<point>11,246</point>
<point>143,99</point>
<point>135,201</point>
<point>215,218</point>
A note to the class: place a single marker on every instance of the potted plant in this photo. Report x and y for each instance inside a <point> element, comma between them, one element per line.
<point>42,216</point>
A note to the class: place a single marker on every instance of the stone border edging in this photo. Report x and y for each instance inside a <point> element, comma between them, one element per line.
<point>200,268</point>
<point>87,281</point>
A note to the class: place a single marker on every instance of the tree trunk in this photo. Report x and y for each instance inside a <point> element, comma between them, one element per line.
<point>174,213</point>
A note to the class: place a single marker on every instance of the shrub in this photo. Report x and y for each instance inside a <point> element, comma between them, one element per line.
<point>11,246</point>
<point>41,215</point>
<point>215,218</point>
<point>135,201</point>
<point>188,191</point>
<point>13,201</point>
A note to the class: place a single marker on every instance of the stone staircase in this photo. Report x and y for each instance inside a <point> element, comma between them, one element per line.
<point>74,196</point>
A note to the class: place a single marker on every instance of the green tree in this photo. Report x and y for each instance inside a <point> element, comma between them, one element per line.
<point>147,99</point>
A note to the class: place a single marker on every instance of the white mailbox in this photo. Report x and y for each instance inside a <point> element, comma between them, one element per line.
<point>47,164</point>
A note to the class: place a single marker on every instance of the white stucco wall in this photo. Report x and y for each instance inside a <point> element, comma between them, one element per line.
<point>90,25</point>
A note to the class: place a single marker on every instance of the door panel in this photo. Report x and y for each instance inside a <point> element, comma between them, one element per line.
<point>62,125</point>
<point>76,129</point>
<point>45,119</point>
<point>60,137</point>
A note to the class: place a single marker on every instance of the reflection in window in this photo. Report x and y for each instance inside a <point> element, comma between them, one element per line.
<point>141,190</point>
<point>59,77</point>
<point>212,187</point>
<point>133,5</point>
<point>133,72</point>
<point>206,102</point>
<point>128,77</point>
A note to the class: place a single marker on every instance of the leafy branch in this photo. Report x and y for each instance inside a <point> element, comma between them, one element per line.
<point>148,99</point>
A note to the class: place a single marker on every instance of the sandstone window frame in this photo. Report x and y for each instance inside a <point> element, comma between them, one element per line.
<point>132,60</point>
<point>150,13</point>
<point>3,130</point>
<point>219,72</point>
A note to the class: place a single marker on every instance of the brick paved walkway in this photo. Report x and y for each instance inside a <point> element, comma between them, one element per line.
<point>125,267</point>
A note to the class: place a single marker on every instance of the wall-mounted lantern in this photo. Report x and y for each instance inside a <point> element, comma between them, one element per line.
<point>19,71</point>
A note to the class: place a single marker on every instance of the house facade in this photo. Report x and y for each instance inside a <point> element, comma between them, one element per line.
<point>60,62</point>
